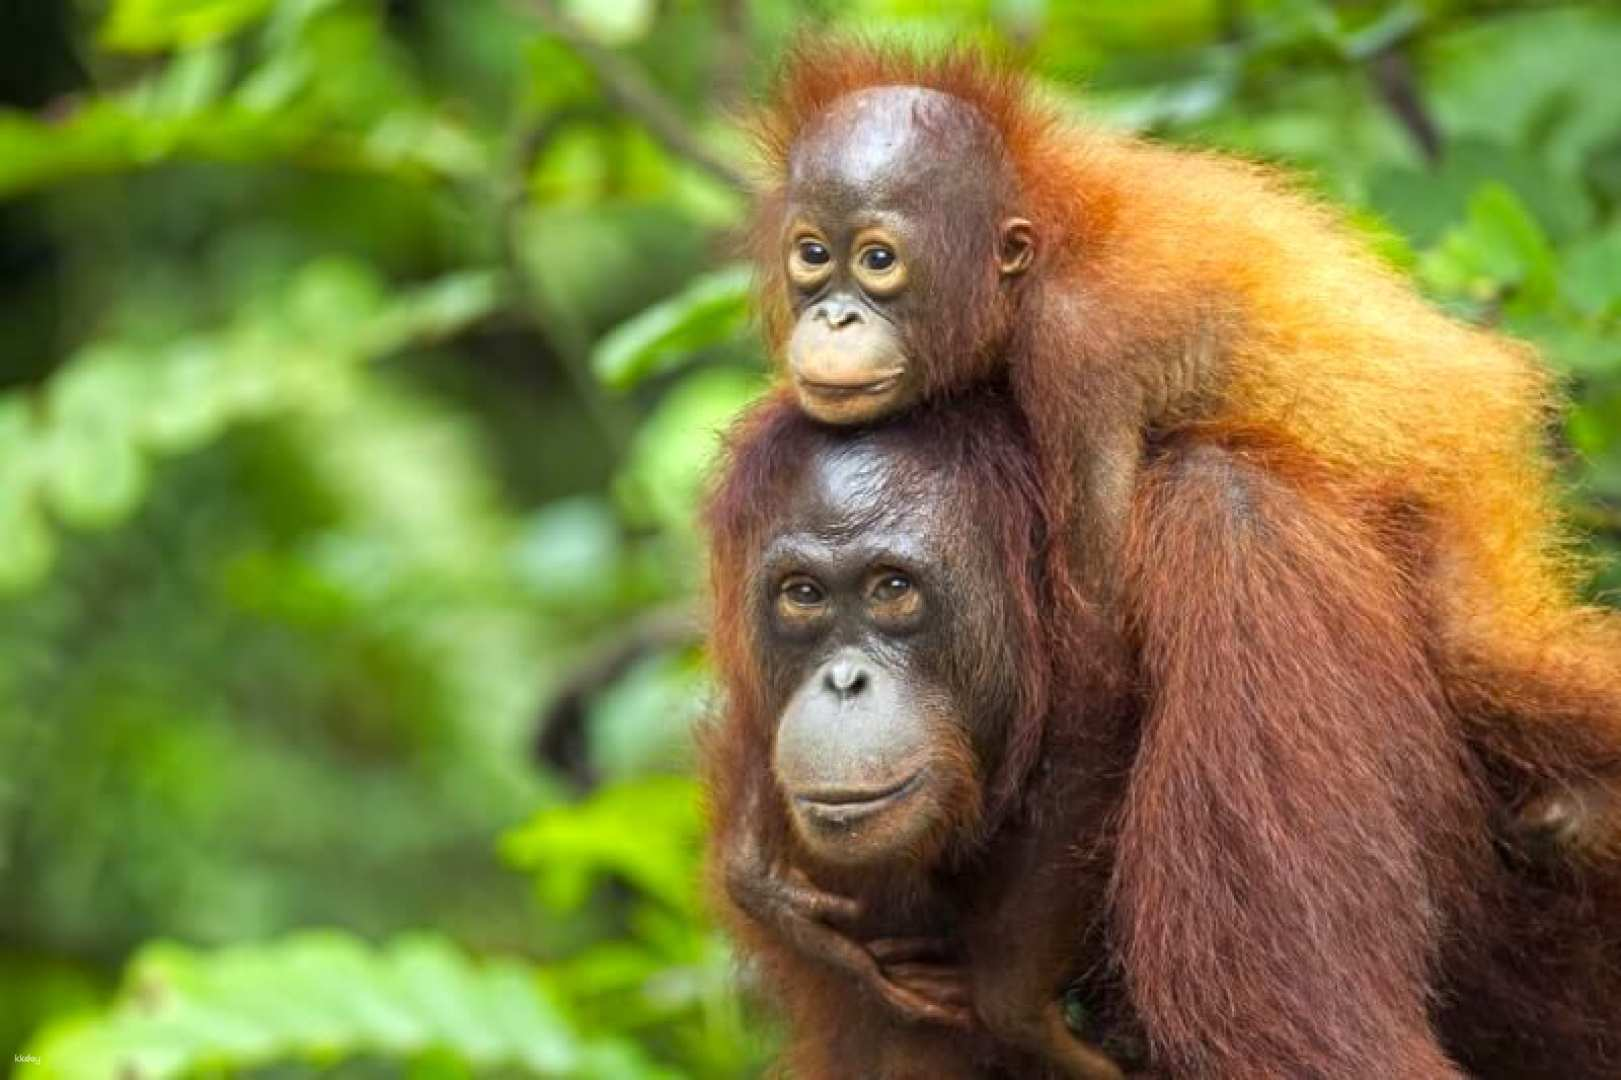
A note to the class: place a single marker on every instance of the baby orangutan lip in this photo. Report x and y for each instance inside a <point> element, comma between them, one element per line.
<point>845,805</point>
<point>843,390</point>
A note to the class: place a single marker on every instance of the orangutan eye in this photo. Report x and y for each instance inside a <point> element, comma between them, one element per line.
<point>893,599</point>
<point>878,267</point>
<point>814,253</point>
<point>802,592</point>
<point>877,258</point>
<point>891,587</point>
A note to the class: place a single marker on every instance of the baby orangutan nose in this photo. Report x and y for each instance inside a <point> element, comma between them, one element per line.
<point>838,314</point>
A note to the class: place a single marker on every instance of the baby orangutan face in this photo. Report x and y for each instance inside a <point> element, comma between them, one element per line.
<point>894,244</point>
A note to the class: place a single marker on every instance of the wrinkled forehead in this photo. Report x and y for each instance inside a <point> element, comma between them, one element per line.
<point>864,486</point>
<point>888,146</point>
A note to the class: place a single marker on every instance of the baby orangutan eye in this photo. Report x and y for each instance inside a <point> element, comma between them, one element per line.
<point>878,267</point>
<point>810,262</point>
<point>877,258</point>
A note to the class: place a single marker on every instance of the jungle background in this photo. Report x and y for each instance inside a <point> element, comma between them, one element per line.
<point>359,364</point>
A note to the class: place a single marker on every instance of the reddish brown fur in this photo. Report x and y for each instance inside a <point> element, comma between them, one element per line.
<point>1182,293</point>
<point>1302,823</point>
<point>835,1033</point>
<point>1251,792</point>
<point>1070,349</point>
<point>1253,824</point>
<point>763,462</point>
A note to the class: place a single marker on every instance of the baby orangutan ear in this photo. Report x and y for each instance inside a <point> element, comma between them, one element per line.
<point>1016,250</point>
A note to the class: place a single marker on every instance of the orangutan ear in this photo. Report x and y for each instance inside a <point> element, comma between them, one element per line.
<point>1016,248</point>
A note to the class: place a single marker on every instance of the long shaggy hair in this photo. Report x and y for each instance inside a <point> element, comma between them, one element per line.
<point>1149,254</point>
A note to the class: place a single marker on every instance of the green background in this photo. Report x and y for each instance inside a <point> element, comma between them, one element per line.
<point>359,363</point>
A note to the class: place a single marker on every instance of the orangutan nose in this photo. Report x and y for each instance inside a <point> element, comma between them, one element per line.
<point>839,313</point>
<point>846,678</point>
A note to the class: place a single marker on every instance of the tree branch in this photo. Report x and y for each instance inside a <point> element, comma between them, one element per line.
<point>560,736</point>
<point>561,329</point>
<point>627,88</point>
<point>1393,76</point>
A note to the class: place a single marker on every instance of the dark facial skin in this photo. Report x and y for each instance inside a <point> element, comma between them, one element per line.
<point>876,745</point>
<point>897,230</point>
<point>882,622</point>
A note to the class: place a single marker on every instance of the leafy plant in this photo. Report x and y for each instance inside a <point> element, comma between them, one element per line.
<point>81,447</point>
<point>325,997</point>
<point>364,361</point>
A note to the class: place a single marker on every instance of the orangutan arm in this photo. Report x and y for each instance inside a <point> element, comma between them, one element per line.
<point>797,917</point>
<point>1299,803</point>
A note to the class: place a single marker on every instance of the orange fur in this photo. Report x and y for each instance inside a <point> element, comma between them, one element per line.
<point>1153,255</point>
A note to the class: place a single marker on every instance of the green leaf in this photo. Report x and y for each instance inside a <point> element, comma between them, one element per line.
<point>149,127</point>
<point>434,311</point>
<point>149,25</point>
<point>96,477</point>
<point>193,81</point>
<point>94,474</point>
<point>1389,244</point>
<point>26,546</point>
<point>1601,167</point>
<point>1590,277</point>
<point>1569,344</point>
<point>569,554</point>
<point>1400,21</point>
<point>329,300</point>
<point>645,831</point>
<point>1499,251</point>
<point>316,995</point>
<point>1425,203</point>
<point>665,470</point>
<point>611,22</point>
<point>1511,244</point>
<point>530,1023</point>
<point>112,406</point>
<point>190,405</point>
<point>643,722</point>
<point>441,987</point>
<point>708,312</point>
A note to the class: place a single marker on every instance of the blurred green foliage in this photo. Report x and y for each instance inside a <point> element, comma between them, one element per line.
<point>362,359</point>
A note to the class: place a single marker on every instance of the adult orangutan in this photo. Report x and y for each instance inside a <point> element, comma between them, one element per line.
<point>966,826</point>
<point>931,228</point>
